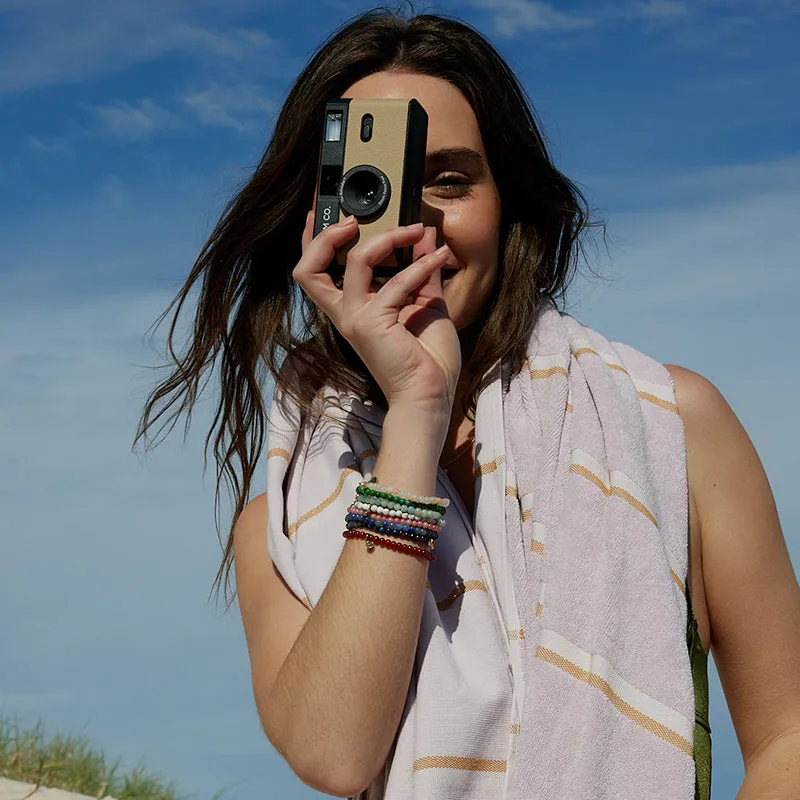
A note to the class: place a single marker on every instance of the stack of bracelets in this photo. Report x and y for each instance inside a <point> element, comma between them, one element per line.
<point>380,511</point>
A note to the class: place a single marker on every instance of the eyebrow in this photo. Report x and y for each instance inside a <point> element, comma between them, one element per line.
<point>454,156</point>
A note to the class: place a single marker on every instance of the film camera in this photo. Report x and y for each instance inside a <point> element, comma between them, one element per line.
<point>372,166</point>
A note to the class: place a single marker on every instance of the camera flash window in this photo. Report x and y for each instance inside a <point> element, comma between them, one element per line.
<point>333,126</point>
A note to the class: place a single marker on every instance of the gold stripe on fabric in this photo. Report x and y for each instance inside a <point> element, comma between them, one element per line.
<point>360,458</point>
<point>569,408</point>
<point>649,724</point>
<point>586,350</point>
<point>514,727</point>
<point>632,501</point>
<point>665,404</point>
<point>526,515</point>
<point>539,609</point>
<point>293,528</point>
<point>457,762</point>
<point>279,452</point>
<point>540,374</point>
<point>678,581</point>
<point>481,561</point>
<point>577,469</point>
<point>460,591</point>
<point>511,491</point>
<point>488,469</point>
<point>514,635</point>
<point>537,547</point>
<point>306,602</point>
<point>616,491</point>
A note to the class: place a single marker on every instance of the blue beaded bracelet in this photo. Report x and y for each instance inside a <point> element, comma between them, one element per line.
<point>405,531</point>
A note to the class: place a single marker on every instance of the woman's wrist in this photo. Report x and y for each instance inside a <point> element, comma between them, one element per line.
<point>424,423</point>
<point>411,445</point>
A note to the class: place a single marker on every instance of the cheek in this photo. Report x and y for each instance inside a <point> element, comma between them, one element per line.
<point>473,231</point>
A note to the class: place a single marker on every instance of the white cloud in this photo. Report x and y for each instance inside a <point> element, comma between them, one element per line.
<point>510,17</point>
<point>240,43</point>
<point>137,121</point>
<point>236,107</point>
<point>49,146</point>
<point>58,43</point>
<point>662,9</point>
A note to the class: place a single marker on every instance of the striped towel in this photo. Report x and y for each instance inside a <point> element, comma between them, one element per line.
<point>552,659</point>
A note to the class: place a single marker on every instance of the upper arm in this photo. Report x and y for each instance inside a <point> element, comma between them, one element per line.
<point>271,614</point>
<point>751,591</point>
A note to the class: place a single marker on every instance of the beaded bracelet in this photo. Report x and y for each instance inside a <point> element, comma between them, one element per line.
<point>395,513</point>
<point>434,504</point>
<point>371,539</point>
<point>416,534</point>
<point>373,484</point>
<point>392,509</point>
<point>377,512</point>
<point>423,544</point>
<point>394,525</point>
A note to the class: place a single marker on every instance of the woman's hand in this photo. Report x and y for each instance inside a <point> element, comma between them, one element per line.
<point>402,332</point>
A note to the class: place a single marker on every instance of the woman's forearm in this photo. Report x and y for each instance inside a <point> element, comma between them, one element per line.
<point>337,701</point>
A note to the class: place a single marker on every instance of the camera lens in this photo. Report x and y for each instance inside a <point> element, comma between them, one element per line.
<point>364,192</point>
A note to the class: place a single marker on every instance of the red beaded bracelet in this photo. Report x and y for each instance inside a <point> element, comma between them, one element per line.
<point>371,539</point>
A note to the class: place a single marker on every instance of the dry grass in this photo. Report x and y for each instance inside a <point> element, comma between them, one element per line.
<point>70,763</point>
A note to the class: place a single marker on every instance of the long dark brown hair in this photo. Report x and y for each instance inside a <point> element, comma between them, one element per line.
<point>250,315</point>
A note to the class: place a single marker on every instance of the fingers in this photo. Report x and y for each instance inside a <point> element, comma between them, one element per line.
<point>363,257</point>
<point>318,252</point>
<point>426,245</point>
<point>406,282</point>
<point>308,231</point>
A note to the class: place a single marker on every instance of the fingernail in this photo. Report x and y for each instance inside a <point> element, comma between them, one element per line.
<point>348,220</point>
<point>442,250</point>
<point>416,225</point>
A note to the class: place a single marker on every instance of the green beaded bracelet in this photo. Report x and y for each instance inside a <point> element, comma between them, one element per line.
<point>438,507</point>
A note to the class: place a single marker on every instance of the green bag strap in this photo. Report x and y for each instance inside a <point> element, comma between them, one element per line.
<point>698,658</point>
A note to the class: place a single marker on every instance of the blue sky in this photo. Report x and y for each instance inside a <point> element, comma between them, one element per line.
<point>125,128</point>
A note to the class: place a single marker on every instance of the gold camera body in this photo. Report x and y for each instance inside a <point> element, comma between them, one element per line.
<point>372,166</point>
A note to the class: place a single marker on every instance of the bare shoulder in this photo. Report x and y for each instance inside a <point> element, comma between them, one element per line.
<point>722,460</point>
<point>272,615</point>
<point>698,398</point>
<point>751,592</point>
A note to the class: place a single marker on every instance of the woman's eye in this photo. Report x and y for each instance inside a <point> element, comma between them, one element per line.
<point>451,185</point>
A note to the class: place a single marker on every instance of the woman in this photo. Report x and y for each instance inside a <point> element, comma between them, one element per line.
<point>587,491</point>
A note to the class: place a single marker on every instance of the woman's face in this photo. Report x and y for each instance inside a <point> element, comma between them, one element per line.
<point>460,197</point>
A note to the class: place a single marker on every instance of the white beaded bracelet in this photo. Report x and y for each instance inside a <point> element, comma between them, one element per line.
<point>414,498</point>
<point>421,514</point>
<point>395,509</point>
